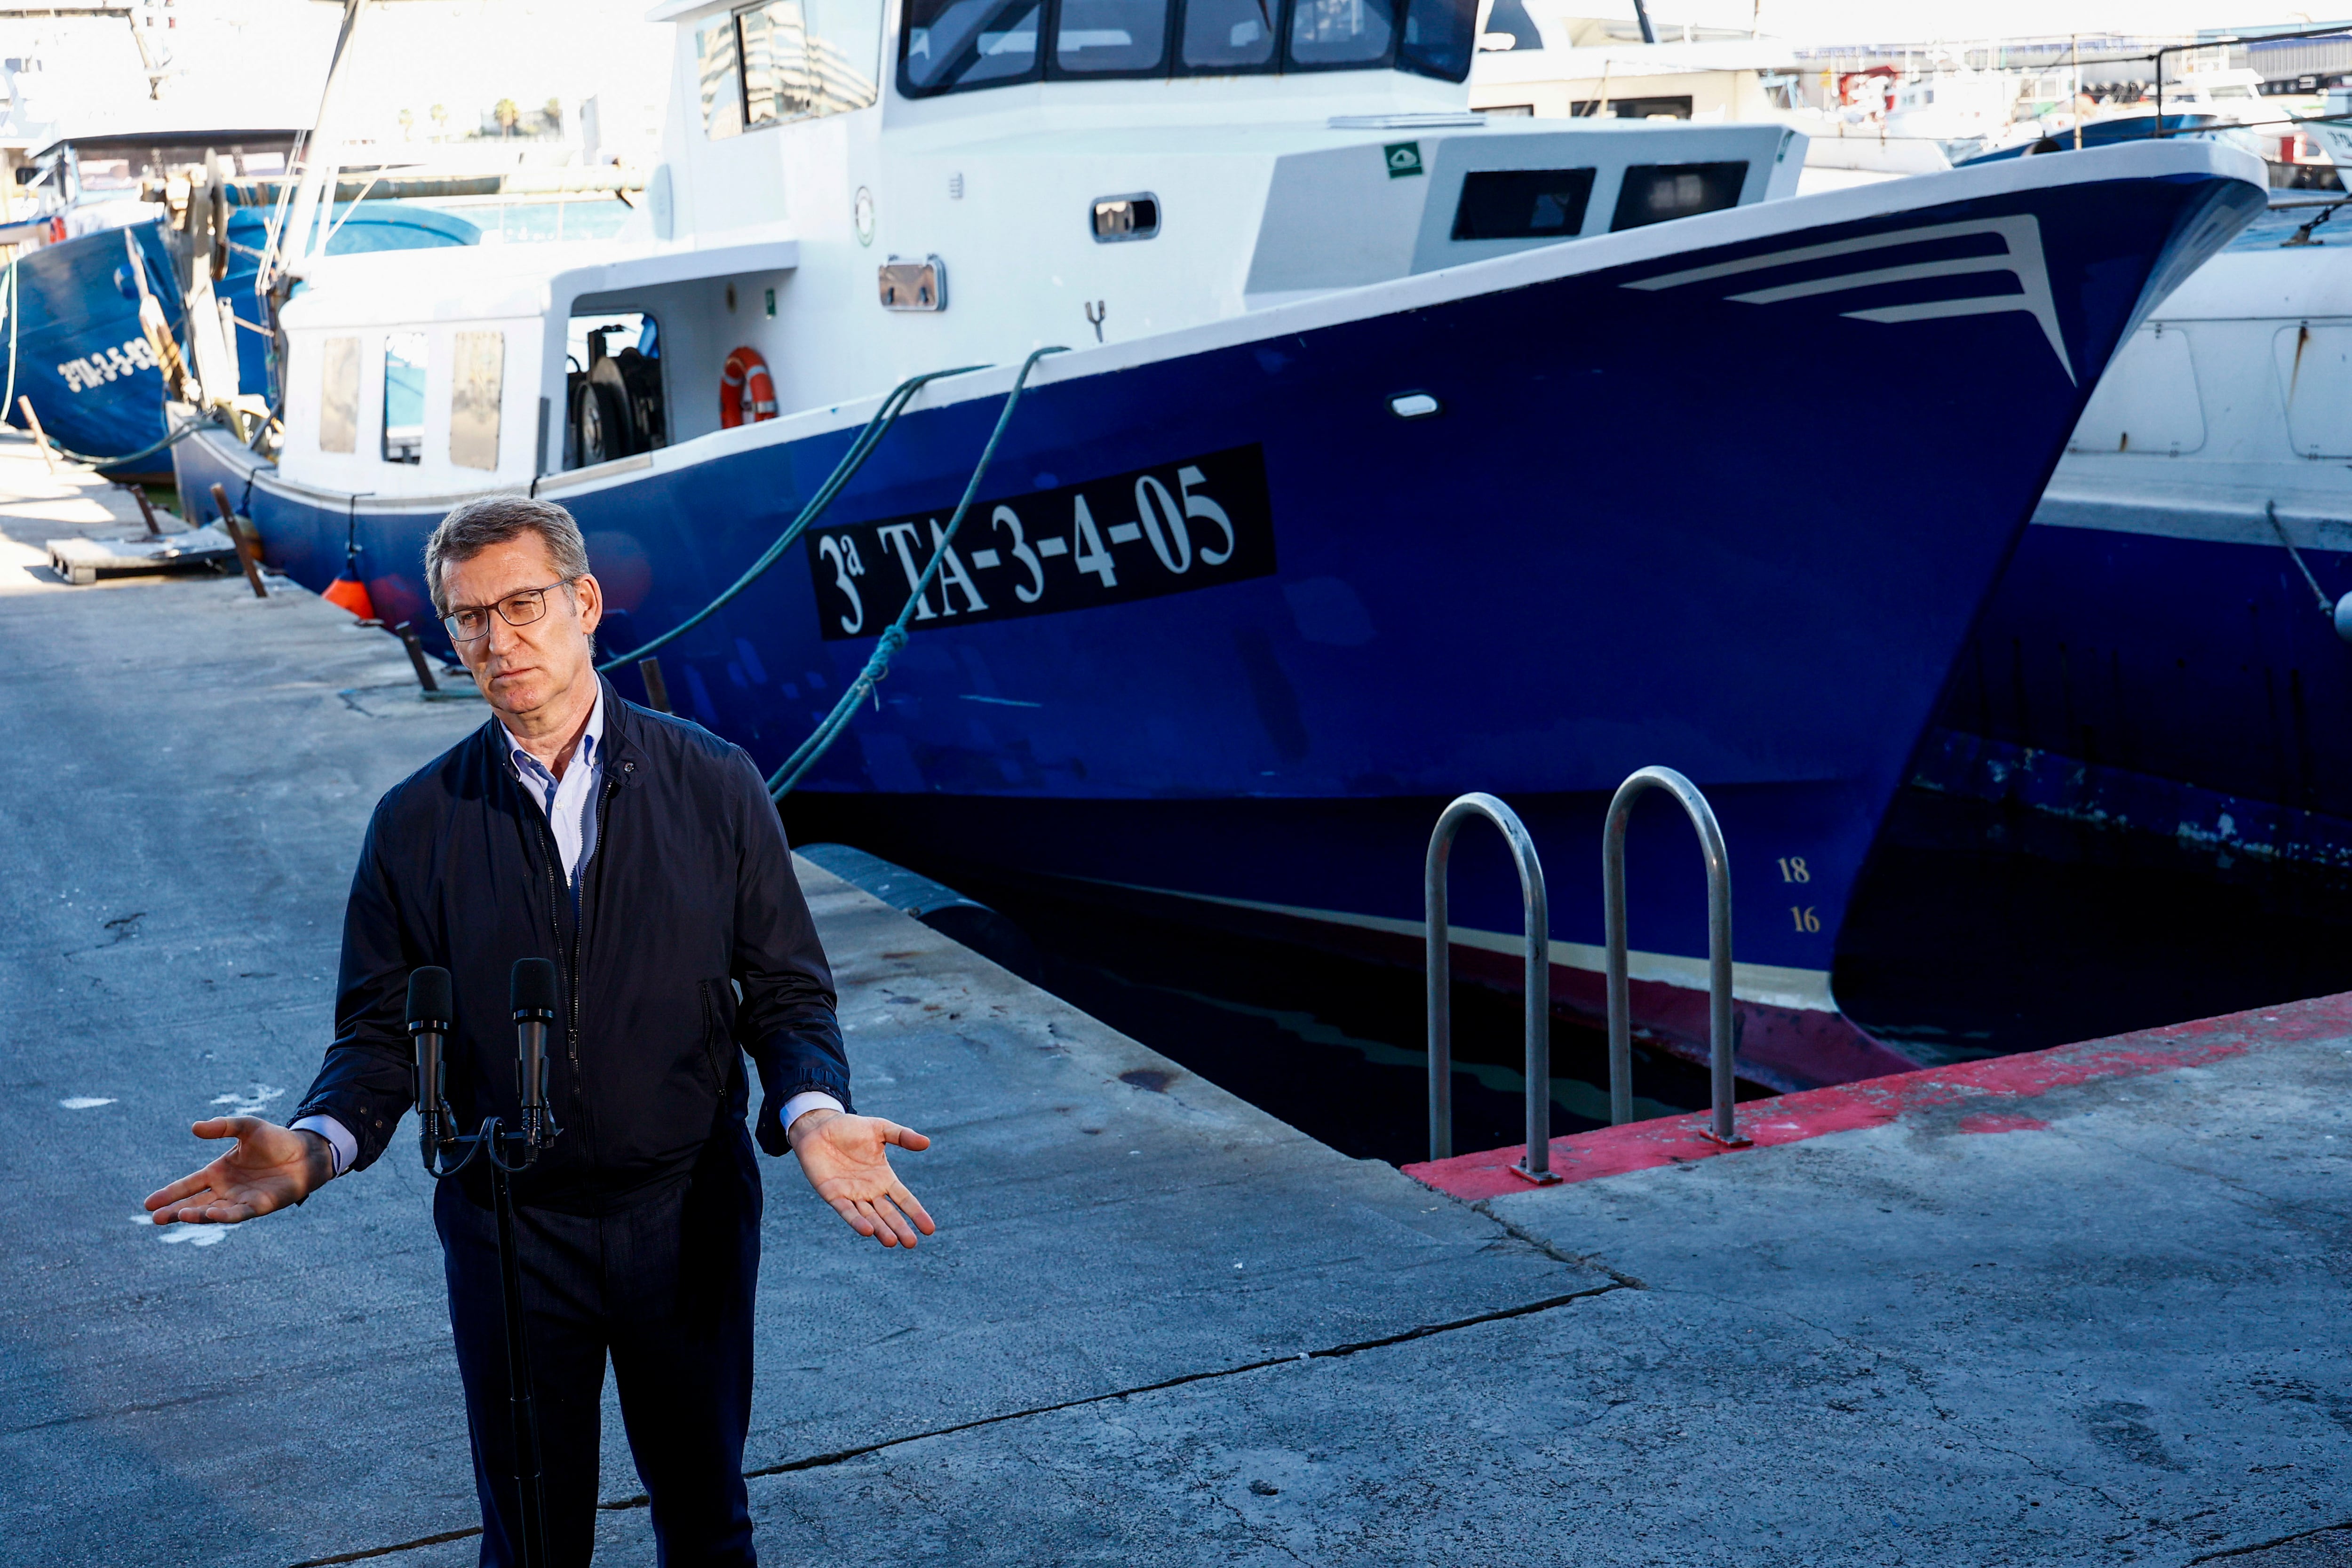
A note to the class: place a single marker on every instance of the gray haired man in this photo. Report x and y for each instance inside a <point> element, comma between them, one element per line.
<point>641,855</point>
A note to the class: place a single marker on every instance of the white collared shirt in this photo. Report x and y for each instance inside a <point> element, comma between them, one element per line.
<point>569,803</point>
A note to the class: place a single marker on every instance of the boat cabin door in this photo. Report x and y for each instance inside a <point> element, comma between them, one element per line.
<point>613,388</point>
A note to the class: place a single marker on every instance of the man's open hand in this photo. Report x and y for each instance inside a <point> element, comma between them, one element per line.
<point>847,1160</point>
<point>270,1168</point>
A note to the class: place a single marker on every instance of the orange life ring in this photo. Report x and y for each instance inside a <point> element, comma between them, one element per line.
<point>744,388</point>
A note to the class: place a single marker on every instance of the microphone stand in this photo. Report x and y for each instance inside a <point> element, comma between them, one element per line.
<point>506,1151</point>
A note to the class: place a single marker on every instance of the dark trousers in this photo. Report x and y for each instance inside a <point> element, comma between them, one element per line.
<point>665,1288</point>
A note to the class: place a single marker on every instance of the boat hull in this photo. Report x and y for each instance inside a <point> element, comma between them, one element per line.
<point>1402,609</point>
<point>2137,679</point>
<point>2161,657</point>
<point>79,354</point>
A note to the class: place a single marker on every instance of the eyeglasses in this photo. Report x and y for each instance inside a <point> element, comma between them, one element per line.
<point>515,609</point>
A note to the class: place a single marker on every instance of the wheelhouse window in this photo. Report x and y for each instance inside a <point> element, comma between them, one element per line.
<point>477,384</point>
<point>339,395</point>
<point>1438,38</point>
<point>403,397</point>
<point>951,46</point>
<point>1522,204</point>
<point>1326,32</point>
<point>1104,37</point>
<point>807,58</point>
<point>1657,193</point>
<point>718,68</point>
<point>106,174</point>
<point>1222,35</point>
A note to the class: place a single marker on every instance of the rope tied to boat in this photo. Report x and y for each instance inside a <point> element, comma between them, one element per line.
<point>895,635</point>
<point>8,399</point>
<point>180,434</point>
<point>894,404</point>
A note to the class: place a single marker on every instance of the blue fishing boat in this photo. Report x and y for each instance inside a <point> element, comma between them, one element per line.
<point>94,246</point>
<point>80,351</point>
<point>123,218</point>
<point>1393,454</point>
<point>2119,128</point>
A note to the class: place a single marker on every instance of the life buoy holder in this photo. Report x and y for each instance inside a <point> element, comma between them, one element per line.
<point>745,389</point>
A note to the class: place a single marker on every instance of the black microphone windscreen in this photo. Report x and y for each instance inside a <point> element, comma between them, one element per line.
<point>429,995</point>
<point>534,987</point>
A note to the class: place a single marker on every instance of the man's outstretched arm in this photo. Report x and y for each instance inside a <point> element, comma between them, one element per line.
<point>267,1168</point>
<point>788,1026</point>
<point>363,1086</point>
<point>786,1021</point>
<point>846,1159</point>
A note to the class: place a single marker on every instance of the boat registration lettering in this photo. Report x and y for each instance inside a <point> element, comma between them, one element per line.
<point>109,364</point>
<point>1191,523</point>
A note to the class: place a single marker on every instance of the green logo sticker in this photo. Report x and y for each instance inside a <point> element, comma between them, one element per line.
<point>1404,158</point>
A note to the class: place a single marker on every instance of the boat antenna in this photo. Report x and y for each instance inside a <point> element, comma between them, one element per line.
<point>290,240</point>
<point>1642,15</point>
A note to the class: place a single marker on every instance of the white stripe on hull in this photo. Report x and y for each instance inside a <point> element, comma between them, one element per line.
<point>1766,984</point>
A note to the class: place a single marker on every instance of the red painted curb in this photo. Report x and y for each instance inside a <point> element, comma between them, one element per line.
<point>1993,1089</point>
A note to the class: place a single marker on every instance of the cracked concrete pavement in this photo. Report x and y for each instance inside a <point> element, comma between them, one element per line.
<point>2110,1333</point>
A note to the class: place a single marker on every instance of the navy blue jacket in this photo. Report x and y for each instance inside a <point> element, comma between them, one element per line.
<point>690,887</point>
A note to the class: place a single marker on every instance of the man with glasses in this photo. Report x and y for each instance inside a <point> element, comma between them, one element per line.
<point>641,855</point>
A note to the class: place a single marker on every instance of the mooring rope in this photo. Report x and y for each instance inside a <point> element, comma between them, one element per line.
<point>844,472</point>
<point>62,451</point>
<point>894,637</point>
<point>8,399</point>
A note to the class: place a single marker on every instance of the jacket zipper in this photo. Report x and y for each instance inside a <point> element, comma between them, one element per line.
<point>578,923</point>
<point>554,859</point>
<point>568,961</point>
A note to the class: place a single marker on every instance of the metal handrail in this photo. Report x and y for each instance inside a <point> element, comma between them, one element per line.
<point>1724,1129</point>
<point>1537,1165</point>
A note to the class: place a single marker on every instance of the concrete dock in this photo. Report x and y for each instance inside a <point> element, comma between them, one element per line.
<point>2092,1314</point>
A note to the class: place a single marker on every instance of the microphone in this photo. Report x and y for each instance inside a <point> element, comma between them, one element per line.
<point>533,991</point>
<point>429,1013</point>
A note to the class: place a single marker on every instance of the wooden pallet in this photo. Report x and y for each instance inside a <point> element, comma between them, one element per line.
<point>82,562</point>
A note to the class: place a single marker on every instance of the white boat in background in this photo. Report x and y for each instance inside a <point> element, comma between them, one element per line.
<point>1932,113</point>
<point>2233,94</point>
<point>1541,57</point>
<point>2166,654</point>
<point>2331,132</point>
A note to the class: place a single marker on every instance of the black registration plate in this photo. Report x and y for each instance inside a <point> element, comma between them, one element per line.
<point>1191,523</point>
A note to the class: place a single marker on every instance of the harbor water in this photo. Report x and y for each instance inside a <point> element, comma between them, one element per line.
<point>1978,931</point>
